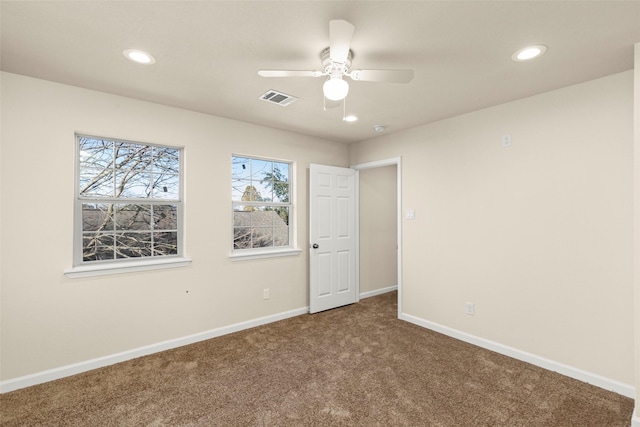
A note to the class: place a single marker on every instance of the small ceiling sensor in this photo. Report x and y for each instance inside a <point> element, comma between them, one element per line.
<point>350,118</point>
<point>379,128</point>
<point>529,53</point>
<point>139,56</point>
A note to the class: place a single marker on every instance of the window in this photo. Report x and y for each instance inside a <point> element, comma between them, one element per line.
<point>261,201</point>
<point>129,201</point>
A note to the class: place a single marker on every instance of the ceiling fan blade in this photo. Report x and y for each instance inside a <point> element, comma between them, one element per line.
<point>289,73</point>
<point>340,35</point>
<point>386,76</point>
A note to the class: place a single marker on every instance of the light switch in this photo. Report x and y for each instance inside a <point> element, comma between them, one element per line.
<point>411,214</point>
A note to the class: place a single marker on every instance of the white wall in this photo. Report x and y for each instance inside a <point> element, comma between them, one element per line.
<point>538,235</point>
<point>378,228</point>
<point>48,320</point>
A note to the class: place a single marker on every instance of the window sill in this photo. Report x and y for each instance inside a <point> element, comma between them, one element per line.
<point>125,267</point>
<point>258,254</point>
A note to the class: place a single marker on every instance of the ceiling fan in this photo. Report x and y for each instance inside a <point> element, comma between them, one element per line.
<point>336,63</point>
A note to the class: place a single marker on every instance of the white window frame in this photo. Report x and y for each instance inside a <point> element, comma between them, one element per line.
<point>82,268</point>
<point>271,251</point>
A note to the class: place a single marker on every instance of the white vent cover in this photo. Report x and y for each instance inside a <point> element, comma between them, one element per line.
<point>279,98</point>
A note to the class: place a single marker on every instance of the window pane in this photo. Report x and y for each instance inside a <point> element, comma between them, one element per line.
<point>242,238</point>
<point>96,153</point>
<point>281,236</point>
<point>165,243</point>
<point>260,191</point>
<point>130,156</point>
<point>240,168</point>
<point>97,246</point>
<point>276,183</point>
<point>261,237</point>
<point>241,217</point>
<point>97,216</point>
<point>280,192</point>
<point>243,191</point>
<point>165,217</point>
<point>166,187</point>
<point>96,183</point>
<point>133,217</point>
<point>283,216</point>
<point>166,160</point>
<point>281,172</point>
<point>238,188</point>
<point>132,184</point>
<point>260,217</point>
<point>133,245</point>
<point>260,169</point>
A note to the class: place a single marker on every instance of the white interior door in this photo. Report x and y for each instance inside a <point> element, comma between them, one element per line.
<point>332,237</point>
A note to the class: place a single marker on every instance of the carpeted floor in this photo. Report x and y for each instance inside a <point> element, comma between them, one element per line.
<point>353,366</point>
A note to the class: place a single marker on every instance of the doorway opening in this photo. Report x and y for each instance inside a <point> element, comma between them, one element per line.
<point>379,217</point>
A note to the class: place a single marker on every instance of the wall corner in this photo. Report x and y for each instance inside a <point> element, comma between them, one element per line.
<point>635,421</point>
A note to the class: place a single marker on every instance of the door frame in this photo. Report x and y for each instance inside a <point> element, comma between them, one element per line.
<point>397,161</point>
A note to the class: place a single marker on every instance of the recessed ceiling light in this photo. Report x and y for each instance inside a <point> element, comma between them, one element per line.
<point>139,56</point>
<point>350,118</point>
<point>529,52</point>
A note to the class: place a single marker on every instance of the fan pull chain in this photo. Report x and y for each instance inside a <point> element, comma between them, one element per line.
<point>344,109</point>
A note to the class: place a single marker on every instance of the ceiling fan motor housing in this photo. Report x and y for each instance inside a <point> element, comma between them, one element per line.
<point>331,67</point>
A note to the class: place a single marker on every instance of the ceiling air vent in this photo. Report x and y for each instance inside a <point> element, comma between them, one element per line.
<point>279,98</point>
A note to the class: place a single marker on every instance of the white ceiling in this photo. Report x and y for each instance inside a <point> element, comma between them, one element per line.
<point>209,52</point>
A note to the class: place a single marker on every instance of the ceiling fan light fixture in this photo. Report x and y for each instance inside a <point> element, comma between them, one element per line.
<point>335,89</point>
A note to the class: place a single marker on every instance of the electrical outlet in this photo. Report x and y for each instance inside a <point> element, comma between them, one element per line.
<point>506,140</point>
<point>265,294</point>
<point>470,308</point>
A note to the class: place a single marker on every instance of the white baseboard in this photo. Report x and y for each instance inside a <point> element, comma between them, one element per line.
<point>575,373</point>
<point>635,420</point>
<point>88,365</point>
<point>381,291</point>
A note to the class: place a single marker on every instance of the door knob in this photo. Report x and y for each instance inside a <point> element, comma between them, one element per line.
<point>315,246</point>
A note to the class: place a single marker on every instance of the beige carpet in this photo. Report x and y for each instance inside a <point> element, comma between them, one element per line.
<point>353,366</point>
